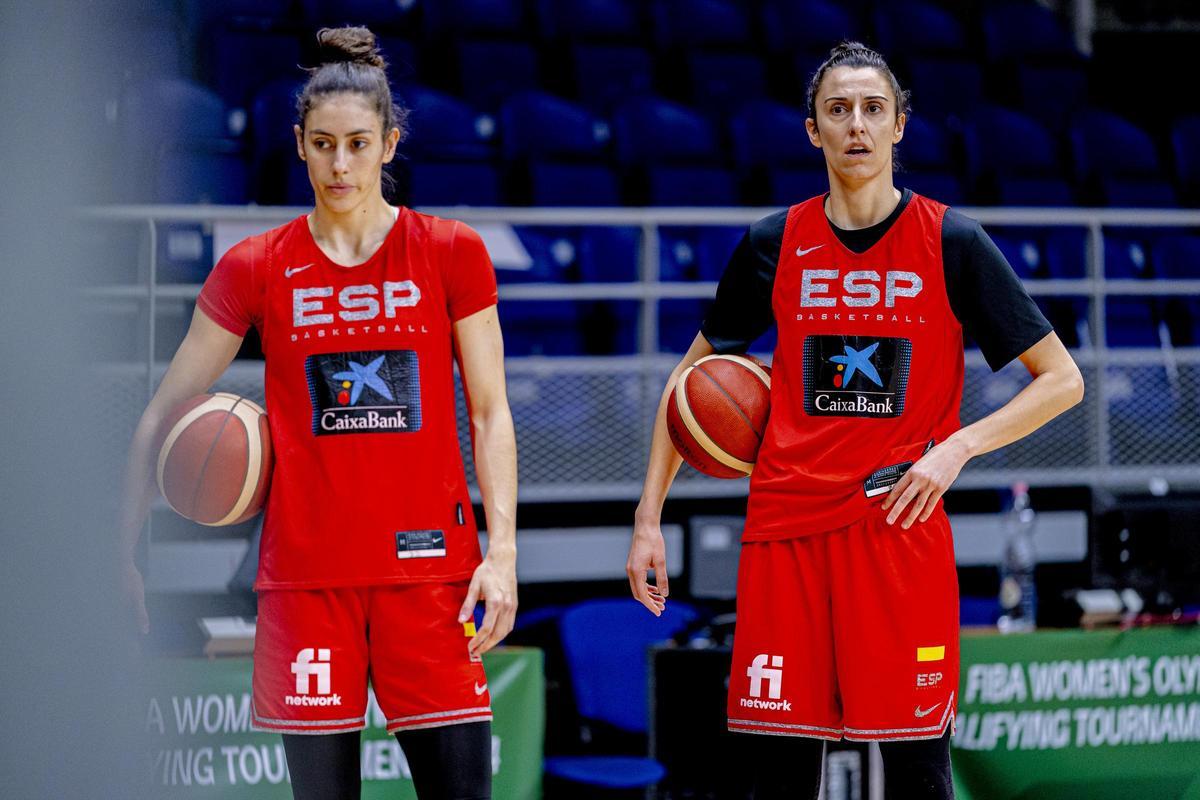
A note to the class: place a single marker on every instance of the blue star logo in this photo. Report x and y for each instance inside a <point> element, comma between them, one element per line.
<point>858,361</point>
<point>361,376</point>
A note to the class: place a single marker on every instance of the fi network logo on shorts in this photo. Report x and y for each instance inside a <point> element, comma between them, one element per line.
<point>757,672</point>
<point>365,391</point>
<point>855,376</point>
<point>313,663</point>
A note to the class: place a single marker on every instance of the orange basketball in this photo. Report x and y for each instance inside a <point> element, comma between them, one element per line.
<point>717,414</point>
<point>214,465</point>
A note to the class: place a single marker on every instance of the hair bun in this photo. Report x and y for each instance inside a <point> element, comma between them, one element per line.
<point>349,45</point>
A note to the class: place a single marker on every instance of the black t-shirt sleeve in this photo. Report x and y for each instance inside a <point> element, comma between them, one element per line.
<point>986,295</point>
<point>742,310</point>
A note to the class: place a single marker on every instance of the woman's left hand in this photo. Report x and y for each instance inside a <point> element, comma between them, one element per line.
<point>495,583</point>
<point>925,483</point>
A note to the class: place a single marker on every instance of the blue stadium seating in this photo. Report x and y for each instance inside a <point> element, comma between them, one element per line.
<point>1185,146</point>
<point>809,26</point>
<point>1023,250</point>
<point>562,146</point>
<point>1066,253</point>
<point>790,186</point>
<point>556,184</point>
<point>379,15</point>
<point>272,114</point>
<point>700,23</point>
<point>690,186</point>
<point>591,20</point>
<point>1052,94</point>
<point>451,184</point>
<point>767,133</point>
<point>607,75</point>
<point>403,60</point>
<point>1024,30</point>
<point>541,328</point>
<point>722,82</point>
<point>917,27</point>
<point>445,128</point>
<point>1015,157</point>
<point>652,130</point>
<point>202,15</point>
<point>244,61</point>
<point>541,126</point>
<point>678,322</point>
<point>1126,256</point>
<point>210,175</point>
<point>1177,256</point>
<point>490,72</point>
<point>1069,316</point>
<point>608,254</point>
<point>1131,322</point>
<point>945,87</point>
<point>927,155</point>
<point>696,253</point>
<point>1119,159</point>
<point>476,17</point>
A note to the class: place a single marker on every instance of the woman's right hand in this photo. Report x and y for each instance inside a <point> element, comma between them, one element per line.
<point>133,595</point>
<point>648,551</point>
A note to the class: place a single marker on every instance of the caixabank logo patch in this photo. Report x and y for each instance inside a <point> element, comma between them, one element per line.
<point>855,376</point>
<point>365,391</point>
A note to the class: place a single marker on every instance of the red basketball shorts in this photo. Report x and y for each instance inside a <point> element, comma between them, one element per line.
<point>849,633</point>
<point>314,651</point>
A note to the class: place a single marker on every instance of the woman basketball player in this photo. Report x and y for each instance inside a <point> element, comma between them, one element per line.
<point>370,562</point>
<point>847,592</point>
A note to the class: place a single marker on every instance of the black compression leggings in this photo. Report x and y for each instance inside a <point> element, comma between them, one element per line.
<point>789,768</point>
<point>453,762</point>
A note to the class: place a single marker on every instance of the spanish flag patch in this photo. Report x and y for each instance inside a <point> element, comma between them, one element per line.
<point>931,653</point>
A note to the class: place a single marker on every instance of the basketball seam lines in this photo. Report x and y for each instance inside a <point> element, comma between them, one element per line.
<point>207,456</point>
<point>732,402</point>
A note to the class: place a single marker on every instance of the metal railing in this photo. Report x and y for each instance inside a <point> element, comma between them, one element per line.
<point>583,422</point>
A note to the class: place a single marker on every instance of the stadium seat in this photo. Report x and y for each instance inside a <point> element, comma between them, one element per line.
<point>273,144</point>
<point>491,72</point>
<point>1126,256</point>
<point>809,26</point>
<point>917,27</point>
<point>1177,256</point>
<point>609,254</point>
<point>445,128</point>
<point>540,126</point>
<point>1052,94</point>
<point>1182,318</point>
<point>940,186</point>
<point>402,57</point>
<point>202,15</point>
<point>1130,322</point>
<point>609,327</point>
<point>676,150</point>
<point>722,82</point>
<point>244,61</point>
<point>452,184</point>
<point>504,18</point>
<point>1066,252</point>
<point>1069,316</point>
<point>786,187</point>
<point>1144,405</point>
<point>541,328</point>
<point>766,133</point>
<point>178,134</point>
<point>927,156</point>
<point>690,24</point>
<point>379,15</point>
<point>1020,31</point>
<point>678,322</point>
<point>1013,158</point>
<point>560,147</point>
<point>946,87</point>
<point>1118,160</point>
<point>1023,250</point>
<point>696,253</point>
<point>607,75</point>
<point>1185,147</point>
<point>591,20</point>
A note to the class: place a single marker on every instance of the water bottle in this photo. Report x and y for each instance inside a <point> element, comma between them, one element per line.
<point>1018,594</point>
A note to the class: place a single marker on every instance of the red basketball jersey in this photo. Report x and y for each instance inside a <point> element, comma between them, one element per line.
<point>868,368</point>
<point>369,485</point>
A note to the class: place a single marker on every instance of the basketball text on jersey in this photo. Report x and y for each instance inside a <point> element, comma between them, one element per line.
<point>855,376</point>
<point>365,391</point>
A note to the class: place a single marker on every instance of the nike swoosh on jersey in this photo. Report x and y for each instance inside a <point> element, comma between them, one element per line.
<point>290,271</point>
<point>481,689</point>
<point>801,251</point>
<point>918,713</point>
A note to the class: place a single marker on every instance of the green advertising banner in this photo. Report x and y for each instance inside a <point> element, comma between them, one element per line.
<point>1079,714</point>
<point>202,746</point>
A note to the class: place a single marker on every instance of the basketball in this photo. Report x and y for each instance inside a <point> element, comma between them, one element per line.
<point>717,413</point>
<point>214,465</point>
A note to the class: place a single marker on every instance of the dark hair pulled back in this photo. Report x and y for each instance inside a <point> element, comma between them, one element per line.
<point>350,61</point>
<point>855,55</point>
